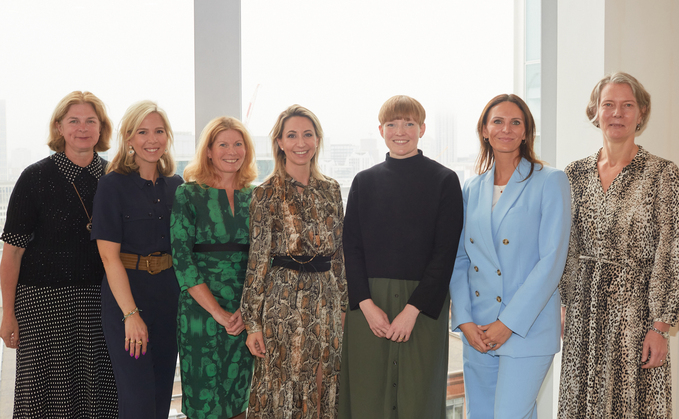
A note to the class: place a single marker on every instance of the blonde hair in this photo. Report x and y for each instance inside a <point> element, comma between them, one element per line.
<point>402,107</point>
<point>641,95</point>
<point>56,141</point>
<point>202,170</point>
<point>486,158</point>
<point>277,133</point>
<point>124,162</point>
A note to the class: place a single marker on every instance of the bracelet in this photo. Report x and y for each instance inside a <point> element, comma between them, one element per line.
<point>135,311</point>
<point>666,335</point>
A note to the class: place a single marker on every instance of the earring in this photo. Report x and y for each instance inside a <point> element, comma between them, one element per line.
<point>596,124</point>
<point>485,139</point>
<point>131,150</point>
<point>638,127</point>
<point>523,141</point>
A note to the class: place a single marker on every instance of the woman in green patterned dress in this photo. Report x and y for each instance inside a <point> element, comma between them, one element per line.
<point>209,227</point>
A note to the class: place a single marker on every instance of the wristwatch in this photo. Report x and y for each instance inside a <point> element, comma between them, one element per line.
<point>666,335</point>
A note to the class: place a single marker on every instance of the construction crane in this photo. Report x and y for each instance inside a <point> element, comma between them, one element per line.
<point>251,106</point>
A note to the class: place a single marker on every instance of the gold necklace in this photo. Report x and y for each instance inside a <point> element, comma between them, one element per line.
<point>89,225</point>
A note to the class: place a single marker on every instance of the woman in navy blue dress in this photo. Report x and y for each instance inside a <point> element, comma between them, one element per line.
<point>132,228</point>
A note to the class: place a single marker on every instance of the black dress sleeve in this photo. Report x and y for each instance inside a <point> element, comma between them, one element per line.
<point>24,208</point>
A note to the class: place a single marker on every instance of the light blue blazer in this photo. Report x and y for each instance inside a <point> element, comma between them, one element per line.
<point>510,259</point>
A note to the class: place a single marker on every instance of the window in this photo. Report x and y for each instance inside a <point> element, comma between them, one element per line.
<point>455,408</point>
<point>532,65</point>
<point>342,61</point>
<point>122,51</point>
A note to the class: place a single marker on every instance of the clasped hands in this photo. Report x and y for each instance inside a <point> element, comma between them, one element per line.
<point>398,330</point>
<point>232,322</point>
<point>485,338</point>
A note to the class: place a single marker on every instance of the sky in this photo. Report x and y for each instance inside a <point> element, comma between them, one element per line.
<point>342,60</point>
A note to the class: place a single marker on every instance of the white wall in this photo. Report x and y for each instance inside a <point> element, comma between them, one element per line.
<point>596,37</point>
<point>580,64</point>
<point>642,38</point>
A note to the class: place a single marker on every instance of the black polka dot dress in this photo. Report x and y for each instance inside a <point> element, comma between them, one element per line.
<point>63,367</point>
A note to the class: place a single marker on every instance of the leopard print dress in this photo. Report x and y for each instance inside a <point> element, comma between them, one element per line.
<point>299,313</point>
<point>622,274</point>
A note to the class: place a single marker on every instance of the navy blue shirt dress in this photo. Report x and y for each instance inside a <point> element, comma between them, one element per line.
<point>136,213</point>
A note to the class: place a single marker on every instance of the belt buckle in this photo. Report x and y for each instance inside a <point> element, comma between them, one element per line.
<point>148,266</point>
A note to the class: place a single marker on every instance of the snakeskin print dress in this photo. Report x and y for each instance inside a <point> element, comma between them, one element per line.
<point>622,274</point>
<point>299,313</point>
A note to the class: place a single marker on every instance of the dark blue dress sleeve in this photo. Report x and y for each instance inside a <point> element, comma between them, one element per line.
<point>107,223</point>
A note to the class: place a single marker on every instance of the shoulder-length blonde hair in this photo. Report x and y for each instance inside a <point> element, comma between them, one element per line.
<point>277,133</point>
<point>124,162</point>
<point>202,170</point>
<point>486,158</point>
<point>56,141</point>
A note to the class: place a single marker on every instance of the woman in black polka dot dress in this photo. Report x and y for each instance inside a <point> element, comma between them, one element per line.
<point>51,273</point>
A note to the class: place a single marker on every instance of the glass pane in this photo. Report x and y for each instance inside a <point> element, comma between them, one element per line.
<point>344,62</point>
<point>122,51</point>
<point>533,97</point>
<point>533,24</point>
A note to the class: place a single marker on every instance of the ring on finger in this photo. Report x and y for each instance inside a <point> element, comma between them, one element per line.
<point>139,342</point>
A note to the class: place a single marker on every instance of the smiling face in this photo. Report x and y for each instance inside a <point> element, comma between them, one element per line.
<point>505,128</point>
<point>299,141</point>
<point>401,137</point>
<point>618,112</point>
<point>80,128</point>
<point>149,141</point>
<point>227,152</point>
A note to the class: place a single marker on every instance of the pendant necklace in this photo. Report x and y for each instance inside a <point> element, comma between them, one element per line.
<point>89,225</point>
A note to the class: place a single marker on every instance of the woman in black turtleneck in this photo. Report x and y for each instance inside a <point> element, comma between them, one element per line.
<point>401,233</point>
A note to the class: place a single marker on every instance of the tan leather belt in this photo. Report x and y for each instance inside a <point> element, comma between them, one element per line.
<point>154,263</point>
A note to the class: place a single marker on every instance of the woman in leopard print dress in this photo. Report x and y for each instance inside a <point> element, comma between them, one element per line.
<point>295,287</point>
<point>620,287</point>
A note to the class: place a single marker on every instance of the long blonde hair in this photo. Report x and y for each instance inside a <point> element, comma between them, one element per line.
<point>277,133</point>
<point>124,162</point>
<point>202,170</point>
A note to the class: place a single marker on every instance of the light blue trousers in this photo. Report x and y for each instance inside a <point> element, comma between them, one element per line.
<point>501,386</point>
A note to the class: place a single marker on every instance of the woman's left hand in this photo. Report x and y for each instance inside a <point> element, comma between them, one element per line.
<point>496,334</point>
<point>234,326</point>
<point>654,350</point>
<point>402,326</point>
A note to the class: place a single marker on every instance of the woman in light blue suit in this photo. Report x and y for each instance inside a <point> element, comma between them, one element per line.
<point>511,257</point>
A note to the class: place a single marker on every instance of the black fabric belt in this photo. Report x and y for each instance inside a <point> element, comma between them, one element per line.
<point>303,263</point>
<point>221,247</point>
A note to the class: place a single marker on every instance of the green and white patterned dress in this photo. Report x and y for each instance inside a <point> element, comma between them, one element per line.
<point>216,367</point>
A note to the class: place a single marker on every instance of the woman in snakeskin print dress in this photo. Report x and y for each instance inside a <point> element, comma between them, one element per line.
<point>295,286</point>
<point>620,288</point>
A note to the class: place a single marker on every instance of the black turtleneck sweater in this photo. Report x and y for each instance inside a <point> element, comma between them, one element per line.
<point>403,221</point>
